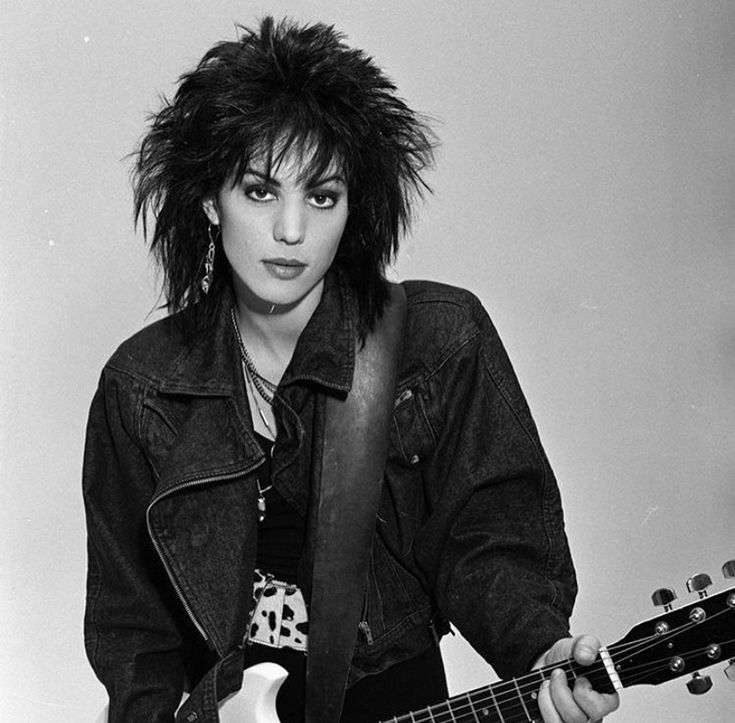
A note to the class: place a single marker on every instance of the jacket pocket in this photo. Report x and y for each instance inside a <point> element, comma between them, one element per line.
<point>393,596</point>
<point>411,435</point>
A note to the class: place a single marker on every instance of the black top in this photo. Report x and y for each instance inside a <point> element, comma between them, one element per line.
<point>281,533</point>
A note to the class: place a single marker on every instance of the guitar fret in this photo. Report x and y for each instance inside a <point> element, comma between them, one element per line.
<point>438,712</point>
<point>535,717</point>
<point>495,703</point>
<point>451,712</point>
<point>523,702</point>
<point>472,707</point>
<point>508,696</point>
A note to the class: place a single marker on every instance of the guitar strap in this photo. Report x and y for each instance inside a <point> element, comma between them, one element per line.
<point>354,451</point>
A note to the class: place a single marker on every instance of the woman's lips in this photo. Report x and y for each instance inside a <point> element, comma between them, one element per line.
<point>285,269</point>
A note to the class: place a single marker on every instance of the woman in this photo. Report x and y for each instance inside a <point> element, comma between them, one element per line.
<point>279,180</point>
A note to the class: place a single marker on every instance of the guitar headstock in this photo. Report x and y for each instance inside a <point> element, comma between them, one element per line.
<point>680,641</point>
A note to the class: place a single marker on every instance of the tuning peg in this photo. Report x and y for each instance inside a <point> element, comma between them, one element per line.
<point>699,584</point>
<point>728,569</point>
<point>664,596</point>
<point>699,684</point>
<point>730,670</point>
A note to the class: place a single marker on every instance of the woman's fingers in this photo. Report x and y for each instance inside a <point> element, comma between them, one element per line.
<point>559,703</point>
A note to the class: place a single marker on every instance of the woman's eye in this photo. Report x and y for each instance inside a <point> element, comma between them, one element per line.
<point>258,193</point>
<point>323,200</point>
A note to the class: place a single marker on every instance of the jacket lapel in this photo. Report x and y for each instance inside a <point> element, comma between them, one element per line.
<point>207,542</point>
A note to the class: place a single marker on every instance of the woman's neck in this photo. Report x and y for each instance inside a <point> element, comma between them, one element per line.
<point>270,334</point>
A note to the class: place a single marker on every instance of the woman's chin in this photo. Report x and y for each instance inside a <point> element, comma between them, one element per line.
<point>280,301</point>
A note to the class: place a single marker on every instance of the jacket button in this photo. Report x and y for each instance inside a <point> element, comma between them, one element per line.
<point>414,459</point>
<point>192,717</point>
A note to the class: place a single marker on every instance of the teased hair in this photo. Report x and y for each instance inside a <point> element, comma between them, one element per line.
<point>283,88</point>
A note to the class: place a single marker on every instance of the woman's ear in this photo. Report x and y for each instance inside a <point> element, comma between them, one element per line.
<point>210,208</point>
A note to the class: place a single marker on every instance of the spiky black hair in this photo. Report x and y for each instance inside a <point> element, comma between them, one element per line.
<point>283,88</point>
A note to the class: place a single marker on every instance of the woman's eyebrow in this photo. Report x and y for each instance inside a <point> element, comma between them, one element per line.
<point>334,178</point>
<point>310,183</point>
<point>262,176</point>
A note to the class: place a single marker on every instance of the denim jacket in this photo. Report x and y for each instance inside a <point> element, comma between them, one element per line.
<point>470,525</point>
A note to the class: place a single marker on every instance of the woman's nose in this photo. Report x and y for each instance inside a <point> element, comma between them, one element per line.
<point>289,223</point>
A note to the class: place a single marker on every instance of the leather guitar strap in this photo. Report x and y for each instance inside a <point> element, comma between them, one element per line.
<point>354,451</point>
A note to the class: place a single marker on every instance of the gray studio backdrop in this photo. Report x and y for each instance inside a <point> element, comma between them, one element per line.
<point>584,192</point>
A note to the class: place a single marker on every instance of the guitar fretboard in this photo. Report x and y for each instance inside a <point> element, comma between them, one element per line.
<point>513,701</point>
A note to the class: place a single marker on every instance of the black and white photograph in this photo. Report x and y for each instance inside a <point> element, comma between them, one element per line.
<point>367,362</point>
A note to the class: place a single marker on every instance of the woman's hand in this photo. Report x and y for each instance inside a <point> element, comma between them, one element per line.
<point>558,702</point>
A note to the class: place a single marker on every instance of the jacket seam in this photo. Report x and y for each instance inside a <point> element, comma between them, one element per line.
<point>549,533</point>
<point>435,372</point>
<point>94,652</point>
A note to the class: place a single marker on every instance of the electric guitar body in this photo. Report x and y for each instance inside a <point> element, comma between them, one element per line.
<point>255,702</point>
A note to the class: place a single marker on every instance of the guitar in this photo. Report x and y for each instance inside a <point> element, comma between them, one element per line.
<point>678,642</point>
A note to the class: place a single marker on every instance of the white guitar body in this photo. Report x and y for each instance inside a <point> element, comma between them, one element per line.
<point>256,701</point>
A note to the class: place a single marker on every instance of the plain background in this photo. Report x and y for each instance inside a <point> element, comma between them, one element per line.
<point>584,191</point>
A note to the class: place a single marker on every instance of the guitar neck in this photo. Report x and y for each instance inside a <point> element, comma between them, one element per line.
<point>678,642</point>
<point>511,701</point>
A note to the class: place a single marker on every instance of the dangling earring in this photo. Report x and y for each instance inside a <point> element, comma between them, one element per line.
<point>206,282</point>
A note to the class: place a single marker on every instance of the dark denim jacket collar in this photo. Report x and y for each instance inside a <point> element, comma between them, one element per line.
<point>325,353</point>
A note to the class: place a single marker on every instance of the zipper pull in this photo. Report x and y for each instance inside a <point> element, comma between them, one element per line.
<point>365,630</point>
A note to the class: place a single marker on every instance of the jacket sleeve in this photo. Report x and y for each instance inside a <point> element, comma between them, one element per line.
<point>494,543</point>
<point>132,638</point>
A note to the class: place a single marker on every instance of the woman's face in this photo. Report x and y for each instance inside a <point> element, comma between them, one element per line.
<point>280,233</point>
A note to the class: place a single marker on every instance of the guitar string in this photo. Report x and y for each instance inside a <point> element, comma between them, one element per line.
<point>689,654</point>
<point>509,717</point>
<point>642,671</point>
<point>480,698</point>
<point>457,713</point>
<point>434,715</point>
<point>656,640</point>
<point>491,698</point>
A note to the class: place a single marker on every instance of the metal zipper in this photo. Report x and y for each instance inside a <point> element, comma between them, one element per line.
<point>364,628</point>
<point>159,551</point>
